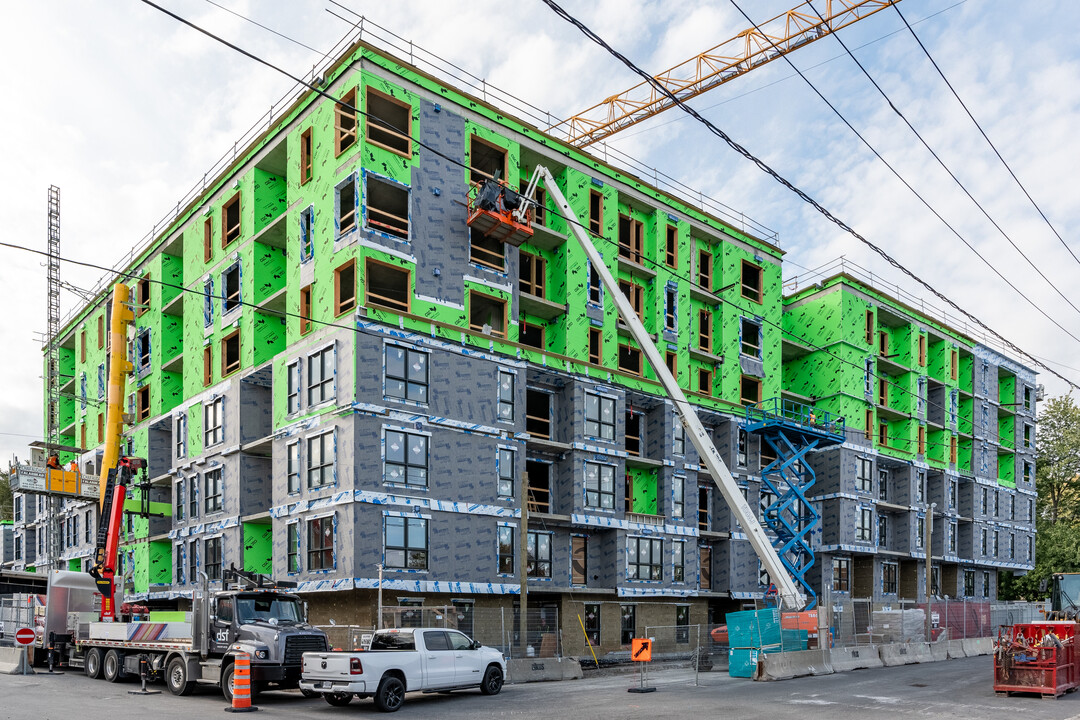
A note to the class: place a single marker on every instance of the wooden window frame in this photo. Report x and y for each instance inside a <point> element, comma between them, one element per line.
<point>596,288</point>
<point>883,391</point>
<point>954,364</point>
<point>671,247</point>
<point>101,427</point>
<point>632,247</point>
<point>373,299</point>
<point>636,295</point>
<point>671,301</point>
<point>208,239</point>
<point>142,295</point>
<point>543,334</point>
<point>82,347</point>
<point>342,306</point>
<point>142,403</point>
<point>493,258</point>
<point>340,112</point>
<point>498,300</point>
<point>631,352</point>
<point>921,444</point>
<point>704,330</point>
<point>705,381</point>
<point>531,282</point>
<point>208,365</point>
<point>756,382</point>
<point>539,208</point>
<point>101,331</point>
<point>230,234</point>
<point>869,327</point>
<point>340,214</point>
<point>596,224</point>
<point>761,282</point>
<point>305,309</point>
<point>883,343</point>
<point>369,125</point>
<point>704,269</point>
<point>225,368</point>
<point>473,171</point>
<point>883,434</point>
<point>952,449</point>
<point>922,350</point>
<point>379,219</point>
<point>305,156</point>
<point>868,422</point>
<point>744,344</point>
<point>671,359</point>
<point>596,357</point>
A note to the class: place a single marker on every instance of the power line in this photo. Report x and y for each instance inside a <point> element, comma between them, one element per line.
<point>985,136</point>
<point>764,167</point>
<point>264,27</point>
<point>936,157</point>
<point>466,166</point>
<point>916,193</point>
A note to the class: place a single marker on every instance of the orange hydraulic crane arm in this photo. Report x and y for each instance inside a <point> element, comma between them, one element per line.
<point>749,49</point>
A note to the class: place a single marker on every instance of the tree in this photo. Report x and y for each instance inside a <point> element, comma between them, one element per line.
<point>1057,521</point>
<point>1057,470</point>
<point>6,502</point>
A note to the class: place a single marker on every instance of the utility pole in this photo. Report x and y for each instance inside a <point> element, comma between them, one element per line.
<point>928,529</point>
<point>523,566</point>
<point>378,617</point>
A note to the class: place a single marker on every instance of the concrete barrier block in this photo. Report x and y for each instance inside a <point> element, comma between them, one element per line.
<point>956,649</point>
<point>788,665</point>
<point>978,646</point>
<point>542,670</point>
<point>939,651</point>
<point>895,654</point>
<point>854,658</point>
<point>11,662</point>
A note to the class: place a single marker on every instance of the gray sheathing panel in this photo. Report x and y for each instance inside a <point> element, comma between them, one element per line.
<point>255,491</point>
<point>827,466</point>
<point>436,206</point>
<point>742,569</point>
<point>256,411</point>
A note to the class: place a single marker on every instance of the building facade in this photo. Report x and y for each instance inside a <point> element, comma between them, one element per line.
<point>334,373</point>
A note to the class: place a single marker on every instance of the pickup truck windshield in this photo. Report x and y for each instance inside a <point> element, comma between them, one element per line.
<point>393,641</point>
<point>269,609</point>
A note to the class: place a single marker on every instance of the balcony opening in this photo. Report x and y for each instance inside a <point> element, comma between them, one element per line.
<point>539,486</point>
<point>633,433</point>
<point>485,160</point>
<point>487,314</point>
<point>532,335</point>
<point>538,413</point>
<point>389,122</point>
<point>388,207</point>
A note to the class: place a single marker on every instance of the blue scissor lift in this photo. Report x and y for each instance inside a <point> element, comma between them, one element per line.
<point>792,430</point>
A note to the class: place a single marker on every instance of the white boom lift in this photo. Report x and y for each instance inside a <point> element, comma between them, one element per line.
<point>789,594</point>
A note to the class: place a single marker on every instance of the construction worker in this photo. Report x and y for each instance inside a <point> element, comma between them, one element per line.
<point>53,461</point>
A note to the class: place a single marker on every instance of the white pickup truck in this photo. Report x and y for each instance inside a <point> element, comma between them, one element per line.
<point>400,661</point>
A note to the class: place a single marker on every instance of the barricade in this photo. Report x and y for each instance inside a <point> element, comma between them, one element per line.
<point>241,689</point>
<point>939,651</point>
<point>854,658</point>
<point>541,669</point>
<point>898,654</point>
<point>978,646</point>
<point>788,665</point>
<point>956,649</point>
<point>11,661</point>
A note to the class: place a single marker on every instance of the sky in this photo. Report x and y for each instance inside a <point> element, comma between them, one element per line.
<point>125,109</point>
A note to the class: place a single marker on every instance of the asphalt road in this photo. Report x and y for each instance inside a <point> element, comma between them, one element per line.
<point>950,689</point>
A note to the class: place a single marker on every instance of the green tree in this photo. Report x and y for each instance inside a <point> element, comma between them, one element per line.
<point>6,502</point>
<point>1057,521</point>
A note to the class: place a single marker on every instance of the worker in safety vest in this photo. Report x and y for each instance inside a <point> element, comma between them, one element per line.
<point>53,461</point>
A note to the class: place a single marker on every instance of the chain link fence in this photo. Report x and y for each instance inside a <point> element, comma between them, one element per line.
<point>853,622</point>
<point>16,611</point>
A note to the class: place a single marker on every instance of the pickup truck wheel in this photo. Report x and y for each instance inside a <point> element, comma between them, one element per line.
<point>112,665</point>
<point>493,681</point>
<point>176,677</point>
<point>390,695</point>
<point>338,699</point>
<point>92,663</point>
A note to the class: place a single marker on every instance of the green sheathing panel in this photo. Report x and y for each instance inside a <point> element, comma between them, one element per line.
<point>644,482</point>
<point>967,372</point>
<point>1007,431</point>
<point>160,563</point>
<point>258,548</point>
<point>75,564</point>
<point>1007,389</point>
<point>937,447</point>
<point>963,455</point>
<point>1007,469</point>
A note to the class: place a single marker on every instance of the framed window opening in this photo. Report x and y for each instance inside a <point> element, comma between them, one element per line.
<point>212,422</point>
<point>532,335</point>
<point>387,206</point>
<point>212,558</point>
<point>505,468</point>
<point>230,353</point>
<point>751,281</point>
<point>704,330</point>
<point>644,559</point>
<point>305,309</point>
<point>292,467</point>
<point>579,561</point>
<point>507,546</point>
<point>388,286</point>
<point>704,269</point>
<point>636,295</point>
<point>630,359</point>
<point>487,314</point>
<point>212,491</point>
<point>705,379</point>
<point>292,550</point>
<point>869,327</point>
<point>345,122</point>
<point>841,569</point>
<point>631,239</point>
<point>305,156</point>
<point>596,213</point>
<point>600,416</point>
<point>320,376</point>
<point>345,206</point>
<point>672,362</point>
<point>538,559</point>
<point>751,338</point>
<point>749,390</point>
<point>320,543</point>
<point>678,563</point>
<point>143,402</point>
<point>671,307</point>
<point>671,247</point>
<point>142,295</point>
<point>307,233</point>
<point>405,543</point>
<point>596,287</point>
<point>506,395</point>
<point>230,221</point>
<point>345,288</point>
<point>599,486</point>
<point>388,122</point>
<point>531,274</point>
<point>320,460</point>
<point>208,240</point>
<point>406,374</point>
<point>486,160</point>
<point>292,388</point>
<point>596,345</point>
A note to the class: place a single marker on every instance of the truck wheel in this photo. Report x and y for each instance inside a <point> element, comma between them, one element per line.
<point>176,677</point>
<point>390,695</point>
<point>338,699</point>
<point>113,665</point>
<point>227,684</point>
<point>92,663</point>
<point>493,681</point>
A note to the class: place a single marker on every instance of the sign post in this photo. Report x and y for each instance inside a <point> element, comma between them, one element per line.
<point>641,653</point>
<point>24,637</point>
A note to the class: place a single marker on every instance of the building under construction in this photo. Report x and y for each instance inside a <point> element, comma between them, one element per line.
<point>336,371</point>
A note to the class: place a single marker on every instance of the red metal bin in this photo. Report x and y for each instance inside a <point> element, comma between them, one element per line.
<point>1038,658</point>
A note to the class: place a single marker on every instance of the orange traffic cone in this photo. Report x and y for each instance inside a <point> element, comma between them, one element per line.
<point>241,685</point>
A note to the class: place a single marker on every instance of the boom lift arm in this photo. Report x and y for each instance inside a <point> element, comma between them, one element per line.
<point>788,592</point>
